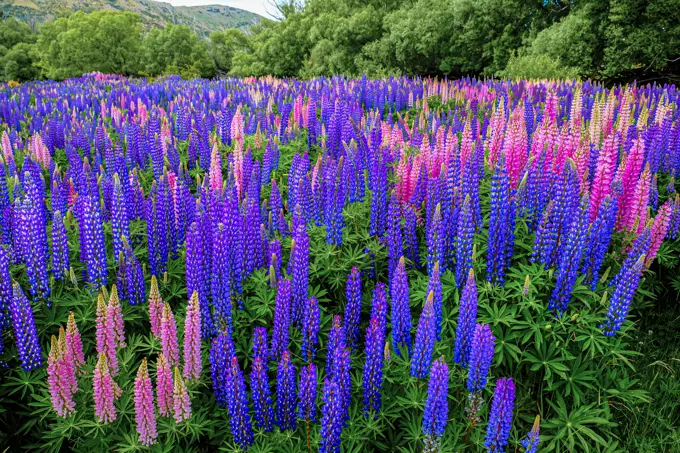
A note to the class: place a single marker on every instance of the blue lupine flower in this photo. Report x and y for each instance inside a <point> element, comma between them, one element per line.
<point>501,226</point>
<point>435,241</point>
<point>353,307</point>
<point>599,239</point>
<point>394,236</point>
<point>61,262</point>
<point>261,394</point>
<point>425,339</point>
<point>237,398</point>
<point>120,222</point>
<point>533,439</point>
<point>467,317</point>
<point>436,406</point>
<point>280,334</point>
<point>221,352</point>
<point>375,341</point>
<point>401,312</point>
<point>196,276</point>
<point>619,303</point>
<point>378,179</point>
<point>25,333</point>
<point>92,248</point>
<point>286,393</point>
<point>481,356</point>
<point>463,241</point>
<point>435,286</point>
<point>307,393</point>
<point>332,420</point>
<point>260,344</point>
<point>310,329</point>
<point>299,262</point>
<point>500,416</point>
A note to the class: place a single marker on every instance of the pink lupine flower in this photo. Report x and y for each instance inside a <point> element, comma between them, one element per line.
<point>604,175</point>
<point>60,379</point>
<point>215,173</point>
<point>106,336</point>
<point>74,344</point>
<point>164,386</point>
<point>637,212</point>
<point>104,392</point>
<point>629,179</point>
<point>69,370</point>
<point>7,147</point>
<point>115,317</point>
<point>659,230</point>
<point>155,307</point>
<point>145,414</point>
<point>192,340</point>
<point>169,336</point>
<point>180,399</point>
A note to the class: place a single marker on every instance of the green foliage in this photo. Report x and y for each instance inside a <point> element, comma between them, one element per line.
<point>175,49</point>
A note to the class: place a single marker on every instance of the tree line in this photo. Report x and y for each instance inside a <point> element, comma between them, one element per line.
<point>607,40</point>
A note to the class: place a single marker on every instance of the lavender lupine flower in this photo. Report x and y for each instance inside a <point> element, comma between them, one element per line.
<point>164,386</point>
<point>221,352</point>
<point>435,285</point>
<point>619,304</point>
<point>180,399</point>
<point>353,307</point>
<point>193,362</point>
<point>169,345</point>
<point>307,393</point>
<point>282,313</point>
<point>261,394</point>
<point>25,333</point>
<point>500,416</point>
<point>481,356</point>
<point>436,406</point>
<point>310,329</point>
<point>60,258</point>
<point>533,439</point>
<point>145,411</point>
<point>240,424</point>
<point>467,316</point>
<point>61,378</point>
<point>286,393</point>
<point>425,339</point>
<point>463,241</point>
<point>401,312</point>
<point>332,418</point>
<point>104,392</point>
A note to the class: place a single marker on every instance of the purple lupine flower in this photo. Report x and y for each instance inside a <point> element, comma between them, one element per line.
<point>435,285</point>
<point>336,339</point>
<point>286,394</point>
<point>412,252</point>
<point>307,393</point>
<point>501,226</point>
<point>619,303</point>
<point>220,287</point>
<point>130,278</point>
<point>393,236</point>
<point>435,240</point>
<point>25,333</point>
<point>332,419</point>
<point>353,307</point>
<point>599,240</point>
<point>276,206</point>
<point>533,439</point>
<point>463,242</point>
<point>261,393</point>
<point>500,416</point>
<point>425,339</point>
<point>261,344</point>
<point>237,399</point>
<point>310,329</point>
<point>401,312</point>
<point>120,222</point>
<point>281,331</point>
<point>92,248</point>
<point>467,316</point>
<point>60,258</point>
<point>299,262</point>
<point>196,276</point>
<point>221,352</point>
<point>6,293</point>
<point>481,356</point>
<point>373,366</point>
<point>378,180</point>
<point>436,406</point>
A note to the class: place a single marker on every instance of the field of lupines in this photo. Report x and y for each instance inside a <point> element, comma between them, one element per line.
<point>329,265</point>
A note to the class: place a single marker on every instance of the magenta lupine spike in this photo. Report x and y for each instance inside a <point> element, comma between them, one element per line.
<point>193,362</point>
<point>637,211</point>
<point>74,342</point>
<point>114,315</point>
<point>145,411</point>
<point>169,336</point>
<point>155,307</point>
<point>629,179</point>
<point>60,378</point>
<point>164,386</point>
<point>659,230</point>
<point>604,175</point>
<point>104,392</point>
<point>181,402</point>
<point>106,336</point>
<point>215,169</point>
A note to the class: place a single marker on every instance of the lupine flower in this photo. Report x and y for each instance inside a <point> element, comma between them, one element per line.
<point>435,286</point>
<point>180,399</point>
<point>106,335</point>
<point>169,336</point>
<point>463,241</point>
<point>353,307</point>
<point>425,339</point>
<point>61,378</point>
<point>156,305</point>
<point>619,303</point>
<point>332,420</point>
<point>104,392</point>
<point>6,292</point>
<point>373,366</point>
<point>25,333</point>
<point>598,241</point>
<point>659,230</point>
<point>533,439</point>
<point>310,329</point>
<point>401,312</point>
<point>74,344</point>
<point>114,314</point>
<point>280,334</point>
<point>193,362</point>
<point>336,339</point>
<point>60,257</point>
<point>307,393</point>
<point>467,316</point>
<point>92,247</point>
<point>435,240</point>
<point>500,416</point>
<point>261,394</point>
<point>164,386</point>
<point>481,356</point>
<point>393,236</point>
<point>436,406</point>
<point>145,411</point>
<point>240,424</point>
<point>501,226</point>
<point>221,352</point>
<point>286,393</point>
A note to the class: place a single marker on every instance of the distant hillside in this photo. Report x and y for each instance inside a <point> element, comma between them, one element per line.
<point>202,19</point>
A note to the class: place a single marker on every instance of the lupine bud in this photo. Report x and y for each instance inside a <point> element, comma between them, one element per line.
<point>180,399</point>
<point>500,416</point>
<point>145,412</point>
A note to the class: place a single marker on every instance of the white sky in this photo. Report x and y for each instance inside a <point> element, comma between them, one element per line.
<point>260,7</point>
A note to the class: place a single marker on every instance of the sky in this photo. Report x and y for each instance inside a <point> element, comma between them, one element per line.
<point>256,6</point>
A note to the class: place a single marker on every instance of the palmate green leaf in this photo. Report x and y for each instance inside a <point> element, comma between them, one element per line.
<point>579,379</point>
<point>547,358</point>
<point>506,349</point>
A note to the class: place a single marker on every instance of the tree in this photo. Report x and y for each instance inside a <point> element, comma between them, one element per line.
<point>224,44</point>
<point>176,49</point>
<point>20,63</point>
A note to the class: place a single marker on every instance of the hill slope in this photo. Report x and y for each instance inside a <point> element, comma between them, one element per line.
<point>202,19</point>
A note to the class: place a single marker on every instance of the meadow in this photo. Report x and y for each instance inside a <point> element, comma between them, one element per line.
<point>335,264</point>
